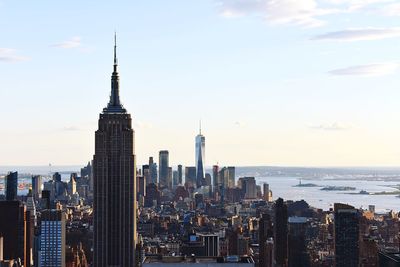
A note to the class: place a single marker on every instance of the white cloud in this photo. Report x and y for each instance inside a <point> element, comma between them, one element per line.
<point>74,42</point>
<point>359,34</point>
<point>390,10</point>
<point>353,5</point>
<point>336,126</point>
<point>10,55</point>
<point>71,128</point>
<point>376,69</point>
<point>306,13</point>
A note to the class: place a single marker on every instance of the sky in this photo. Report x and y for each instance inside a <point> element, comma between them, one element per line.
<point>274,82</point>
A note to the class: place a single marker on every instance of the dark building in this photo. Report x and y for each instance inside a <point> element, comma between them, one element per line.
<point>281,234</point>
<point>114,173</point>
<point>57,177</point>
<point>200,158</point>
<point>146,173</point>
<point>153,171</point>
<point>153,196</point>
<point>265,233</point>
<point>141,186</point>
<point>87,174</point>
<point>190,176</point>
<point>215,180</point>
<point>389,259</point>
<point>180,174</point>
<point>169,179</point>
<point>347,236</point>
<point>298,256</point>
<point>211,243</point>
<point>13,229</point>
<point>163,168</point>
<point>194,245</point>
<point>45,201</point>
<point>11,186</point>
<point>36,186</point>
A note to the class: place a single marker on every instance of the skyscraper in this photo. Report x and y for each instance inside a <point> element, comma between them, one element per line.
<point>153,170</point>
<point>347,235</point>
<point>11,186</point>
<point>248,187</point>
<point>13,229</point>
<point>200,158</point>
<point>266,193</point>
<point>265,233</point>
<point>180,174</point>
<point>190,176</point>
<point>36,186</point>
<point>163,168</point>
<point>215,177</point>
<point>114,184</point>
<point>52,239</point>
<point>297,244</point>
<point>281,234</point>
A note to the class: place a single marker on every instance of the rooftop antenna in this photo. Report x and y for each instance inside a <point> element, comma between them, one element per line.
<point>200,126</point>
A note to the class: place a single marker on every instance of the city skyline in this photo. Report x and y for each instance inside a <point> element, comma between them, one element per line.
<point>272,69</point>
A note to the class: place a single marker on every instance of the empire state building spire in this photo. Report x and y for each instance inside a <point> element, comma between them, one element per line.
<point>114,106</point>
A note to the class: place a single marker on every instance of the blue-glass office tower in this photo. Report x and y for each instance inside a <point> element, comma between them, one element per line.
<point>200,158</point>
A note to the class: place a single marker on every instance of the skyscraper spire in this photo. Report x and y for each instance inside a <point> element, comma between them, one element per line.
<point>200,127</point>
<point>115,106</point>
<point>115,52</point>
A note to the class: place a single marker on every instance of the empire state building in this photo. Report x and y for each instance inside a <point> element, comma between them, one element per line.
<point>114,170</point>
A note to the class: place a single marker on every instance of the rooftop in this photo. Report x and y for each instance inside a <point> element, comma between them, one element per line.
<point>206,261</point>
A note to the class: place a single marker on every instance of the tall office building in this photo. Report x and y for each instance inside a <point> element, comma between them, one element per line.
<point>36,186</point>
<point>11,186</point>
<point>200,158</point>
<point>190,176</point>
<point>347,235</point>
<point>31,223</point>
<point>297,244</point>
<point>175,179</point>
<point>13,230</point>
<point>169,179</point>
<point>264,235</point>
<point>248,187</point>
<point>52,239</point>
<point>180,174</point>
<point>267,193</point>
<point>146,173</point>
<point>227,177</point>
<point>215,180</point>
<point>153,171</point>
<point>281,234</point>
<point>114,170</point>
<point>163,165</point>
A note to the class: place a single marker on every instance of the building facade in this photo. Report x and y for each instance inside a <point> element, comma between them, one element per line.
<point>114,171</point>
<point>163,164</point>
<point>347,235</point>
<point>52,239</point>
<point>11,186</point>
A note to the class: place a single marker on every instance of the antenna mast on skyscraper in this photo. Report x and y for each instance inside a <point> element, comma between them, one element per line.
<point>200,127</point>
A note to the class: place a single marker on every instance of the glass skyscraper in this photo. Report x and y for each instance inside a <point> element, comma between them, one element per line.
<point>200,158</point>
<point>52,239</point>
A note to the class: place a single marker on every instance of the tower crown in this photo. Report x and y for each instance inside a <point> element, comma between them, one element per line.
<point>114,105</point>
